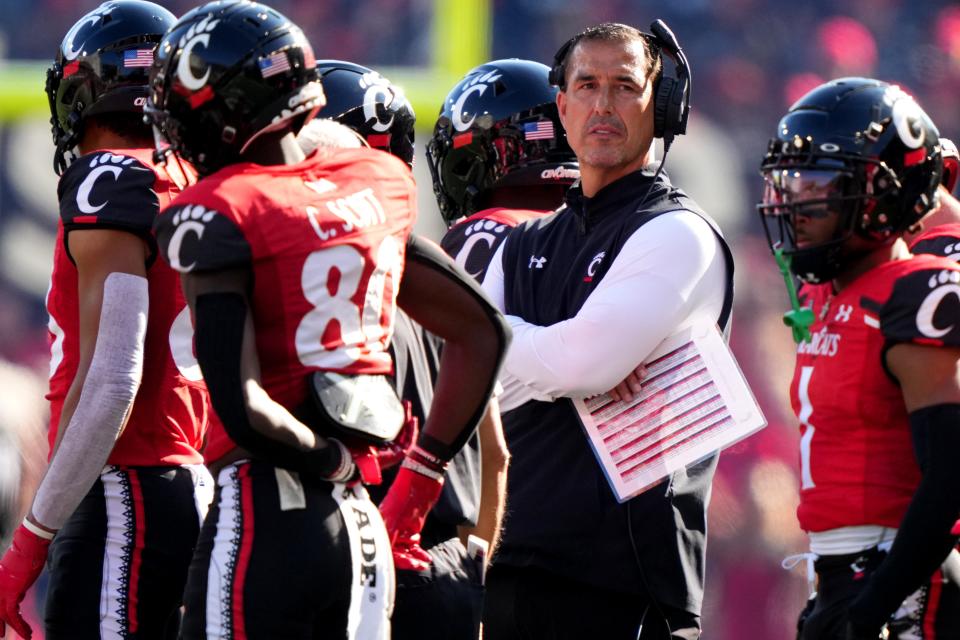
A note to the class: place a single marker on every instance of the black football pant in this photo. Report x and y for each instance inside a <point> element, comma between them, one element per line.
<point>932,613</point>
<point>528,603</point>
<point>278,560</point>
<point>118,566</point>
<point>443,602</point>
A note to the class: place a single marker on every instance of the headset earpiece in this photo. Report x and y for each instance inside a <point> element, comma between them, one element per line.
<point>671,92</point>
<point>558,70</point>
<point>663,89</point>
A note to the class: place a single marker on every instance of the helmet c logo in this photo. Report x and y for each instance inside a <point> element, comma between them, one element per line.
<point>69,51</point>
<point>458,122</point>
<point>184,71</point>
<point>370,101</point>
<point>929,308</point>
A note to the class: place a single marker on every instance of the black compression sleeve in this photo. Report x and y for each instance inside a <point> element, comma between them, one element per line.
<point>220,319</point>
<point>460,292</point>
<point>923,540</point>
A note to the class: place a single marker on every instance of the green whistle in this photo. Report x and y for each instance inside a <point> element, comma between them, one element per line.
<point>799,319</point>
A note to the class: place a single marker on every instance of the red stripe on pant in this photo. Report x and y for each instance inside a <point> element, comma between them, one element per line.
<point>933,604</point>
<point>139,526</point>
<point>246,546</point>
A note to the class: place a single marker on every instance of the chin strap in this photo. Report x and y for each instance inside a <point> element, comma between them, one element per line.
<point>799,319</point>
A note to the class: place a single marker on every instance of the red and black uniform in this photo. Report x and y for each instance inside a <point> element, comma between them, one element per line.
<point>325,242</point>
<point>119,564</point>
<point>473,241</point>
<point>857,462</point>
<point>941,240</point>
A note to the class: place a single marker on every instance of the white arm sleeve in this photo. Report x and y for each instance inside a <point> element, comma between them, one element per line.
<point>669,274</point>
<point>105,400</point>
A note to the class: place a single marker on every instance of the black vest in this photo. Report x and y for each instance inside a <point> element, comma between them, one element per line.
<point>562,515</point>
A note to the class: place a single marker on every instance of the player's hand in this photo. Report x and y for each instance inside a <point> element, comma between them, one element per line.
<point>393,454</point>
<point>629,386</point>
<point>19,569</point>
<point>404,511</point>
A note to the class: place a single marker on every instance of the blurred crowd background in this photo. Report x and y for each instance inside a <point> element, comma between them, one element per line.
<point>750,60</point>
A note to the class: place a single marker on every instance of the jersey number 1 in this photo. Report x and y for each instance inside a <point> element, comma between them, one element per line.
<point>806,411</point>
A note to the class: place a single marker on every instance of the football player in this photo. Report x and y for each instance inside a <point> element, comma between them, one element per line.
<point>854,165</point>
<point>448,589</point>
<point>493,172</point>
<point>120,506</point>
<point>293,267</point>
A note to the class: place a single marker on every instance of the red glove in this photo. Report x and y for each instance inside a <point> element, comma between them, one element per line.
<point>393,454</point>
<point>371,461</point>
<point>956,528</point>
<point>405,508</point>
<point>367,460</point>
<point>19,569</point>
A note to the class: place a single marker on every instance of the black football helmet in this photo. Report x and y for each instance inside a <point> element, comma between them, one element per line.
<point>225,73</point>
<point>498,127</point>
<point>102,66</point>
<point>368,103</point>
<point>855,147</point>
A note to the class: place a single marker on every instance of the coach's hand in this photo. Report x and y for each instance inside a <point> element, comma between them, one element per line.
<point>19,569</point>
<point>410,498</point>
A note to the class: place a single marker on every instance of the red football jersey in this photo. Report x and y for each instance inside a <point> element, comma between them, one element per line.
<point>942,240</point>
<point>856,452</point>
<point>325,240</point>
<point>473,241</point>
<point>123,189</point>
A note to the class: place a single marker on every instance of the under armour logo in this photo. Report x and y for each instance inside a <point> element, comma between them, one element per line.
<point>539,262</point>
<point>843,313</point>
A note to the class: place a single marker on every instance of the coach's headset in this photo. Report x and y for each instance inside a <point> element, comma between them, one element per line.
<point>671,93</point>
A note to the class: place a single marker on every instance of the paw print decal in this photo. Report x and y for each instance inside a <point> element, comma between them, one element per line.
<point>482,232</point>
<point>485,225</point>
<point>945,295</point>
<point>99,165</point>
<point>952,251</point>
<point>189,219</point>
<point>198,34</point>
